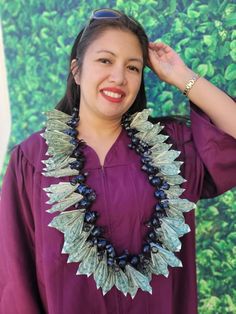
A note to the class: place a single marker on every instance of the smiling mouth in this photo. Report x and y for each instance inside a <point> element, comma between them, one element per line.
<point>113,96</point>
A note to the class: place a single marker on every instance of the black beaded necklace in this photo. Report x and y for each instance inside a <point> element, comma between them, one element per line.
<point>141,260</point>
<point>127,271</point>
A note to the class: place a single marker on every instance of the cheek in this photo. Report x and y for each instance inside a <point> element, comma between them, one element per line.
<point>136,85</point>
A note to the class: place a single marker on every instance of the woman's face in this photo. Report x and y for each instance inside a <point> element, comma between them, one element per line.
<point>111,74</point>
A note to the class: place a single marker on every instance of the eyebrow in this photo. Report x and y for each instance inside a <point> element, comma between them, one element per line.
<point>112,53</point>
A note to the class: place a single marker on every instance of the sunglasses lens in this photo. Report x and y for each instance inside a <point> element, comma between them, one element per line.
<point>103,14</point>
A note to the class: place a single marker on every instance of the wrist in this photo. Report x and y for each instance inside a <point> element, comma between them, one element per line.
<point>182,77</point>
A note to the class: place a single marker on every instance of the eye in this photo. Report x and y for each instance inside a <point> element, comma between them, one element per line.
<point>104,60</point>
<point>133,68</point>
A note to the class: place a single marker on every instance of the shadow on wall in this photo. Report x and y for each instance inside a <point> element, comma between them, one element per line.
<point>5,115</point>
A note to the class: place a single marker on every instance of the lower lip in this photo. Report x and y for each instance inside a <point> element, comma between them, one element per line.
<point>111,99</point>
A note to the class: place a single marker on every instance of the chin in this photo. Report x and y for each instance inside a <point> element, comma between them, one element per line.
<point>113,113</point>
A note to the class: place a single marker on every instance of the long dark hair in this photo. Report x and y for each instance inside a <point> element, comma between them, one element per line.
<point>71,98</point>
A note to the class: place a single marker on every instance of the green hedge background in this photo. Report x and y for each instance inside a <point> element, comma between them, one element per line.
<point>38,35</point>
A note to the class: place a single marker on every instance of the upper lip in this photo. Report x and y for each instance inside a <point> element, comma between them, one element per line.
<point>114,90</point>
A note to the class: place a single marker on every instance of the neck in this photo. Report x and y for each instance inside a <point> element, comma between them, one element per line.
<point>95,128</point>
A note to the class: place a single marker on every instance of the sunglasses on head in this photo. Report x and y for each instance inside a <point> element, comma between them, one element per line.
<point>103,14</point>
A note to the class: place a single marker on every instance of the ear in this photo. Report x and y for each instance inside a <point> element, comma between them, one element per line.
<point>75,71</point>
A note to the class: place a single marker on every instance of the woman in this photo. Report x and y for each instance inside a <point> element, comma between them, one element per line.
<point>114,212</point>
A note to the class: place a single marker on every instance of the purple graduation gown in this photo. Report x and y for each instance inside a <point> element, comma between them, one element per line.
<point>35,276</point>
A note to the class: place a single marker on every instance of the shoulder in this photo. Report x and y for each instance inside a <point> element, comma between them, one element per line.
<point>34,149</point>
<point>176,127</point>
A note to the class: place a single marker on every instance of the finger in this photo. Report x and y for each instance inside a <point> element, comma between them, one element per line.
<point>157,52</point>
<point>160,45</point>
<point>157,44</point>
<point>161,52</point>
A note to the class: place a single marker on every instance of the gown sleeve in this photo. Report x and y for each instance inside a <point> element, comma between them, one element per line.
<point>18,281</point>
<point>217,151</point>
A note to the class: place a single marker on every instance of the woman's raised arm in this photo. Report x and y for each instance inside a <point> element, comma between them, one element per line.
<point>170,68</point>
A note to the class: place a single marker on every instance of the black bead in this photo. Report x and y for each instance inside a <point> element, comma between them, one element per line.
<point>122,263</point>
<point>74,141</point>
<point>149,169</point>
<point>75,114</point>
<point>71,132</point>
<point>94,241</point>
<point>97,231</point>
<point>160,214</point>
<point>134,140</point>
<point>77,153</point>
<point>123,256</point>
<point>78,165</point>
<point>78,179</point>
<point>158,207</point>
<point>110,261</point>
<point>91,196</point>
<point>110,250</point>
<point>164,204</point>
<point>73,122</point>
<point>86,227</point>
<point>122,260</point>
<point>140,150</point>
<point>134,261</point>
<point>154,248</point>
<point>81,158</point>
<point>100,255</point>
<point>111,253</point>
<point>144,144</point>
<point>84,203</point>
<point>146,249</point>
<point>160,194</point>
<point>165,186</point>
<point>155,222</point>
<point>130,133</point>
<point>88,191</point>
<point>82,189</point>
<point>102,244</point>
<point>155,181</point>
<point>147,152</point>
<point>146,260</point>
<point>152,235</point>
<point>126,125</point>
<point>90,217</point>
<point>146,159</point>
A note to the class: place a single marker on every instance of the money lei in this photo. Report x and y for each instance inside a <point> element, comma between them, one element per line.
<point>72,222</point>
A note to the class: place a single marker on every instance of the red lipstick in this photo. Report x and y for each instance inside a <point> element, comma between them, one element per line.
<point>113,90</point>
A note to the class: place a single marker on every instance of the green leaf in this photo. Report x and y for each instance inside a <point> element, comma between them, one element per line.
<point>233,44</point>
<point>233,35</point>
<point>231,89</point>
<point>208,40</point>
<point>231,304</point>
<point>192,14</point>
<point>189,53</point>
<point>165,95</point>
<point>203,9</point>
<point>172,6</point>
<point>211,70</point>
<point>202,69</point>
<point>232,237</point>
<point>230,20</point>
<point>230,73</point>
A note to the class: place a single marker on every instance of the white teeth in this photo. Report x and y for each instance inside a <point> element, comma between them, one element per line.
<point>111,94</point>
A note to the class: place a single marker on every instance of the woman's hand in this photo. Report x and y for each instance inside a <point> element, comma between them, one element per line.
<point>167,64</point>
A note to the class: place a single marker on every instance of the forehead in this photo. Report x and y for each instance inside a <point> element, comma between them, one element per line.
<point>120,42</point>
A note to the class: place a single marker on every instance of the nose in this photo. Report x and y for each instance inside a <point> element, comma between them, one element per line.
<point>118,75</point>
